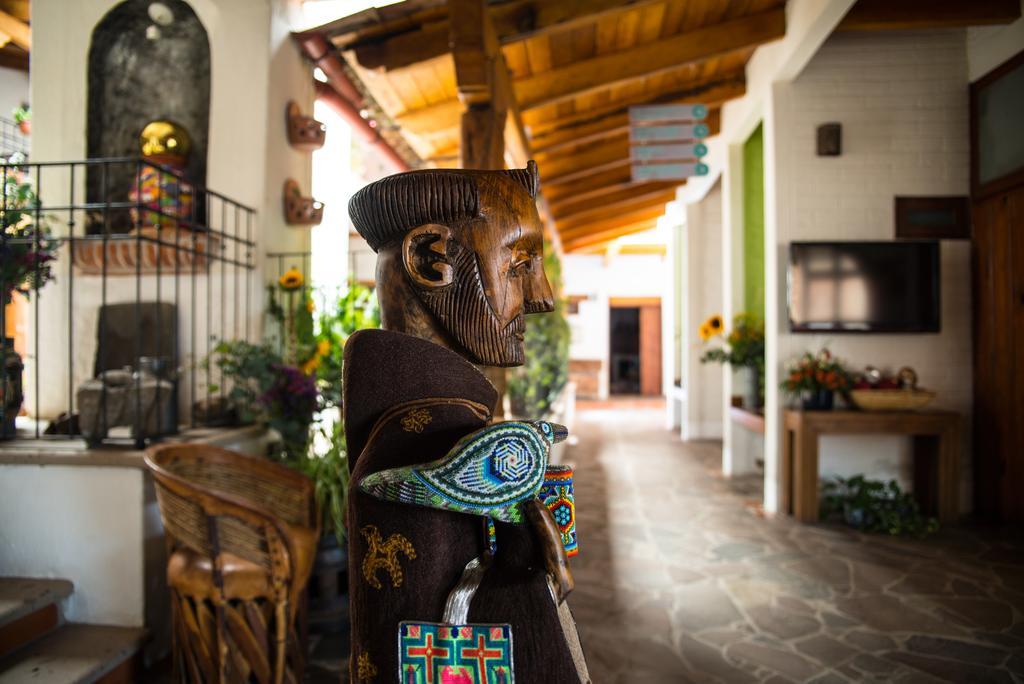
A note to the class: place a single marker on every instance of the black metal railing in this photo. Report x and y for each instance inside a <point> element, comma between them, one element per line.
<point>160,271</point>
<point>12,140</point>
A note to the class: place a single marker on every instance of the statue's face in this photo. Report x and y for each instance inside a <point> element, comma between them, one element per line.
<point>491,274</point>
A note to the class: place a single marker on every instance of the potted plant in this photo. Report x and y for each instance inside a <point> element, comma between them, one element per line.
<point>23,117</point>
<point>26,255</point>
<point>815,379</point>
<point>743,350</point>
<point>265,388</point>
<point>874,506</point>
<point>533,388</point>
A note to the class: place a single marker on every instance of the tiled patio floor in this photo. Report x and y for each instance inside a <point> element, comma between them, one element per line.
<point>679,580</point>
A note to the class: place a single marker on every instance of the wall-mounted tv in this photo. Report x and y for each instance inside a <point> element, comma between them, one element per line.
<point>864,287</point>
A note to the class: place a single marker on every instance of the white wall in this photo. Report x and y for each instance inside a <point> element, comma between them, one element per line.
<point>601,279</point>
<point>990,46</point>
<point>902,101</point>
<point>255,70</point>
<point>702,292</point>
<point>13,91</point>
<point>103,558</point>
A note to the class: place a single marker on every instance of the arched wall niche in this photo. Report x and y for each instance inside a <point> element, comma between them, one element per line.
<point>148,60</point>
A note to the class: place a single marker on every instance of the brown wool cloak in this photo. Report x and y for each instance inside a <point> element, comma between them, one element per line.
<point>389,376</point>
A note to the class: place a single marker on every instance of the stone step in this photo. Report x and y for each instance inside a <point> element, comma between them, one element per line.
<point>21,596</point>
<point>76,654</point>
<point>29,609</point>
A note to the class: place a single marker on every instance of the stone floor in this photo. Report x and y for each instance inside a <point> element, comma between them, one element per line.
<point>679,579</point>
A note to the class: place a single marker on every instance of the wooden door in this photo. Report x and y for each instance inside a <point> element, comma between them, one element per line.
<point>650,349</point>
<point>999,355</point>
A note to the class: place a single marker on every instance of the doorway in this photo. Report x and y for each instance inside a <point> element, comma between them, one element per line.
<point>635,347</point>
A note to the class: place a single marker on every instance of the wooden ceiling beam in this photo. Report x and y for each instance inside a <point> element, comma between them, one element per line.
<point>602,199</point>
<point>618,164</point>
<point>586,76</point>
<point>615,149</point>
<point>17,30</point>
<point>621,206</point>
<point>590,188</point>
<point>513,22</point>
<point>556,132</point>
<point>444,115</point>
<point>609,127</point>
<point>12,57</point>
<point>608,234</point>
<point>899,15</point>
<point>652,213</point>
<point>566,191</point>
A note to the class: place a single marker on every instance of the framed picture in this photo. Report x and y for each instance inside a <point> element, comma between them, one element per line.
<point>933,218</point>
<point>997,137</point>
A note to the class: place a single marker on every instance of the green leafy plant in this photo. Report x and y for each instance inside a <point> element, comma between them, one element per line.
<point>264,388</point>
<point>26,251</point>
<point>328,468</point>
<point>534,386</point>
<point>22,113</point>
<point>355,310</point>
<point>817,372</point>
<point>744,344</point>
<point>874,506</point>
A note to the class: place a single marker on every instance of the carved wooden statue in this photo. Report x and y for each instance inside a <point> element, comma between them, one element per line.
<point>458,571</point>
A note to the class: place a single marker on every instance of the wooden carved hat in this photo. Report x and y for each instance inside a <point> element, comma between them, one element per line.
<point>385,210</point>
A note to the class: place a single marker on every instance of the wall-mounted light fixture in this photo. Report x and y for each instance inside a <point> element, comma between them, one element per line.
<point>830,140</point>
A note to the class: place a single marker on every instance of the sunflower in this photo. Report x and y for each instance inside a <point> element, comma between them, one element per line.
<point>711,327</point>
<point>310,306</point>
<point>291,280</point>
<point>322,347</point>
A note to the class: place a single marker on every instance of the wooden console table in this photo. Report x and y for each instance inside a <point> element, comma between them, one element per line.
<point>936,455</point>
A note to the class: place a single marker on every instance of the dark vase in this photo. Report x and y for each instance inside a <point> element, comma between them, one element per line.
<point>818,400</point>
<point>11,394</point>
<point>752,399</point>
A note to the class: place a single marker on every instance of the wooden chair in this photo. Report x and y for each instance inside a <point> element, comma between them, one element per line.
<point>242,534</point>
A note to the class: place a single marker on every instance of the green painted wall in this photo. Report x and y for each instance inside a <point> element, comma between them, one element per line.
<point>753,223</point>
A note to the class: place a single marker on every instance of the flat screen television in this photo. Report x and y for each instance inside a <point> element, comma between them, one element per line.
<point>864,287</point>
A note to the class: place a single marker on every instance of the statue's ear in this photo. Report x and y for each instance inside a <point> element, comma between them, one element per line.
<point>425,255</point>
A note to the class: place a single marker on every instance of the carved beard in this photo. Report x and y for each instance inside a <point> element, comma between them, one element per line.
<point>464,312</point>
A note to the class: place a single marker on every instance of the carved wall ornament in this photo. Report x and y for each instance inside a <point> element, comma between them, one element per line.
<point>300,210</point>
<point>304,132</point>
<point>384,555</point>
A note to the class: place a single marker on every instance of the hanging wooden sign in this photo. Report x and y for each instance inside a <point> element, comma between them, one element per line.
<point>665,141</point>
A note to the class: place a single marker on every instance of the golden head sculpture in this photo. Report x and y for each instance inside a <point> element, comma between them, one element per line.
<point>165,138</point>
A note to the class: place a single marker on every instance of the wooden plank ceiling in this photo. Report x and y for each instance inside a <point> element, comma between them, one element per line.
<point>575,69</point>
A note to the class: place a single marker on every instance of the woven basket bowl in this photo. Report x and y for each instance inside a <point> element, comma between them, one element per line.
<point>891,399</point>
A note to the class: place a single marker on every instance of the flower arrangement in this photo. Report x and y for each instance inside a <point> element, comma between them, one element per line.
<point>744,344</point>
<point>290,383</point>
<point>26,250</point>
<point>264,388</point>
<point>816,373</point>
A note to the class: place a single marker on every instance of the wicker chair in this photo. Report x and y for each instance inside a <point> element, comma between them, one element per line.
<point>242,534</point>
